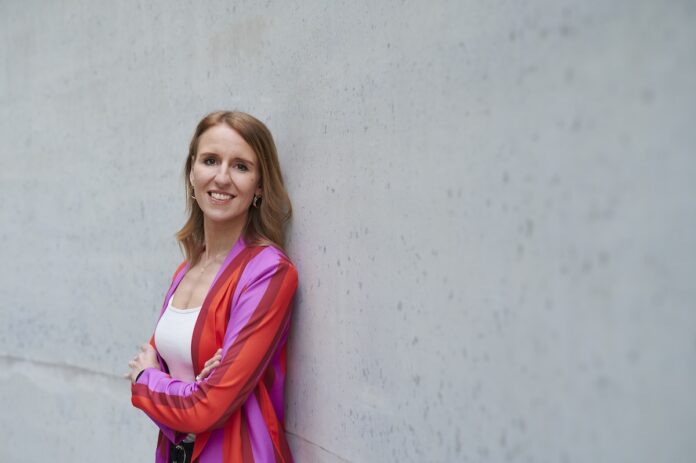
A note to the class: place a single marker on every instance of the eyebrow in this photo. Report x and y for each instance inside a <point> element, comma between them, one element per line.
<point>234,158</point>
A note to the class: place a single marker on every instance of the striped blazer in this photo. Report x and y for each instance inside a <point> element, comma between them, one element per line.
<point>237,412</point>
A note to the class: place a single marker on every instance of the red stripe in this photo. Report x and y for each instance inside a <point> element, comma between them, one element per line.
<point>238,264</point>
<point>269,376</point>
<point>274,427</point>
<point>266,303</point>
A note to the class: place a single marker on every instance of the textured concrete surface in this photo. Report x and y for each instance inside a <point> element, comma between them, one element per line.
<point>495,222</point>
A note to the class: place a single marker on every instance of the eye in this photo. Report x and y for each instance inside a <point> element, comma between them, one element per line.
<point>205,161</point>
<point>242,167</point>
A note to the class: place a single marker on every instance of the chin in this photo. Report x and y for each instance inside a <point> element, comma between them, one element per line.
<point>219,218</point>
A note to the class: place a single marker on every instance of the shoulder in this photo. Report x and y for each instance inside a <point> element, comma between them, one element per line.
<point>179,269</point>
<point>269,260</point>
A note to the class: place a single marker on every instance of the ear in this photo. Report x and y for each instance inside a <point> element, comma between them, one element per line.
<point>191,176</point>
<point>259,191</point>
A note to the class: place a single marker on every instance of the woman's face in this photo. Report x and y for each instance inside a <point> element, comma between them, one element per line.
<point>225,175</point>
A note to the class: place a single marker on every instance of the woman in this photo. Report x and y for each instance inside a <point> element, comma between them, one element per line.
<point>212,375</point>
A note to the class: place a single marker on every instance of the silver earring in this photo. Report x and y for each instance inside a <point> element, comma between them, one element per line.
<point>254,201</point>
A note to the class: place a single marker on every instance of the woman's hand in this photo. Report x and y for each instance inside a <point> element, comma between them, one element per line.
<point>212,363</point>
<point>146,358</point>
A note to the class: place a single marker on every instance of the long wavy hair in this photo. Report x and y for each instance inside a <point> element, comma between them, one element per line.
<point>265,223</point>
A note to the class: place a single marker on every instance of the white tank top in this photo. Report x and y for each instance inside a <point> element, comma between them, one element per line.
<point>173,336</point>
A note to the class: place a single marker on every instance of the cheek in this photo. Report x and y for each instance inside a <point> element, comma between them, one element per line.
<point>248,184</point>
<point>200,175</point>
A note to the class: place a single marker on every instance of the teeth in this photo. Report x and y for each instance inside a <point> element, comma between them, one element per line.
<point>220,196</point>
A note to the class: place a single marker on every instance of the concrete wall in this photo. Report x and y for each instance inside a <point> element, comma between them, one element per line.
<point>494,219</point>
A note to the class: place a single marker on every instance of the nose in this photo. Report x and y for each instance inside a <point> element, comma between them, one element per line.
<point>222,176</point>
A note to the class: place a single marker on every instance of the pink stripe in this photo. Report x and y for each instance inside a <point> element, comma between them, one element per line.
<point>276,391</point>
<point>261,444</point>
<point>173,286</point>
<point>162,457</point>
<point>168,432</point>
<point>238,318</point>
<point>212,452</point>
<point>268,258</point>
<point>159,381</point>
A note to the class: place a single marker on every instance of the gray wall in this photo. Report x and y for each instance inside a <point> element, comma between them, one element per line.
<point>495,223</point>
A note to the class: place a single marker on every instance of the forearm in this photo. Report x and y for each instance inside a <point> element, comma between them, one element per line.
<point>181,405</point>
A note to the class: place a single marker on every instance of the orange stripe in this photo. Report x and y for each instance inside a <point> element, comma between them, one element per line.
<point>231,446</point>
<point>277,295</point>
<point>204,347</point>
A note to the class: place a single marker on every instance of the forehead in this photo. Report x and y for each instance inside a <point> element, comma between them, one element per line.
<point>223,140</point>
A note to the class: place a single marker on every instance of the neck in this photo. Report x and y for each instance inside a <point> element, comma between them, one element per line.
<point>221,236</point>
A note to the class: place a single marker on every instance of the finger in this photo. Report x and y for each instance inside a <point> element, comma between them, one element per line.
<point>126,376</point>
<point>210,368</point>
<point>206,371</point>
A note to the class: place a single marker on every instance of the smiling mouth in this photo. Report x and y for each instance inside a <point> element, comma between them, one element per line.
<point>220,196</point>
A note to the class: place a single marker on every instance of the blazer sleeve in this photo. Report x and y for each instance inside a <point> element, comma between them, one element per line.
<point>257,322</point>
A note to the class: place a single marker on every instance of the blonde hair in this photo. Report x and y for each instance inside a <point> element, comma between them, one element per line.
<point>265,223</point>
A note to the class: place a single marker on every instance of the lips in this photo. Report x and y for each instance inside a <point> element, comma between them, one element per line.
<point>220,197</point>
